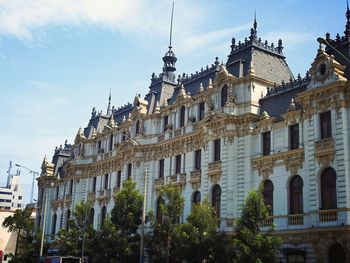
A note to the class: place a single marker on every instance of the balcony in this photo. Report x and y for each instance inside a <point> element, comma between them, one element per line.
<point>296,220</point>
<point>195,178</point>
<point>158,183</point>
<point>268,222</point>
<point>68,198</point>
<point>177,179</point>
<point>91,196</point>
<point>328,215</point>
<point>324,151</point>
<point>214,171</point>
<point>104,195</point>
<point>178,132</point>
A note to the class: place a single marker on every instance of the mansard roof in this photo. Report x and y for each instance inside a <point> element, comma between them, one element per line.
<point>278,98</point>
<point>266,59</point>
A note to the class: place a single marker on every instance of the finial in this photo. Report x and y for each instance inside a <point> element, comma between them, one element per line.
<point>201,88</point>
<point>255,25</point>
<point>210,85</point>
<point>347,14</point>
<point>169,58</point>
<point>265,115</point>
<point>291,106</point>
<point>109,102</point>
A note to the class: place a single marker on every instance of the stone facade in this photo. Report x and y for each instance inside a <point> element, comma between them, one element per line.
<point>229,125</point>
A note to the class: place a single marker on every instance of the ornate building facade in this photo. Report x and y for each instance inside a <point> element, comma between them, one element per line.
<point>218,133</point>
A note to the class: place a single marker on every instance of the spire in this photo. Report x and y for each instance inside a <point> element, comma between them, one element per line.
<point>255,23</point>
<point>347,15</point>
<point>169,57</point>
<point>253,32</point>
<point>109,103</point>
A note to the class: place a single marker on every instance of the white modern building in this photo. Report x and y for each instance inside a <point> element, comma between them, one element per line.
<point>11,195</point>
<point>218,133</point>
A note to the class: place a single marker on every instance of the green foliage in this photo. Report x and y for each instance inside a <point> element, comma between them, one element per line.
<point>253,245</point>
<point>22,223</point>
<point>161,244</point>
<point>69,241</point>
<point>126,216</point>
<point>199,234</point>
<point>127,211</point>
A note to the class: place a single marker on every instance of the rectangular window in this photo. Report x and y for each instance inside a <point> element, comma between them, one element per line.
<point>201,111</point>
<point>19,197</point>
<point>294,136</point>
<point>57,192</point>
<point>71,187</point>
<point>165,123</point>
<point>106,182</point>
<point>119,178</point>
<point>19,205</point>
<point>266,143</point>
<point>217,150</point>
<point>129,170</point>
<point>94,180</point>
<point>161,168</point>
<point>123,136</point>
<point>197,159</point>
<point>326,125</point>
<point>178,164</point>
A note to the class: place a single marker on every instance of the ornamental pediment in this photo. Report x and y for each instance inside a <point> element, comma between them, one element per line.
<point>224,77</point>
<point>325,69</point>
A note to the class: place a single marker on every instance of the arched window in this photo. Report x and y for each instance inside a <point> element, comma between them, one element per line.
<point>182,117</point>
<point>196,198</point>
<point>158,210</point>
<point>54,221</point>
<point>137,128</point>
<point>268,195</point>
<point>223,96</point>
<point>91,216</point>
<point>216,200</point>
<point>328,189</point>
<point>296,195</point>
<point>103,215</point>
<point>67,220</point>
<point>336,254</point>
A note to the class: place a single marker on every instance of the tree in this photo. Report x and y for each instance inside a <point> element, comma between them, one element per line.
<point>70,241</point>
<point>126,217</point>
<point>22,223</point>
<point>252,244</point>
<point>161,244</point>
<point>199,234</point>
<point>127,211</point>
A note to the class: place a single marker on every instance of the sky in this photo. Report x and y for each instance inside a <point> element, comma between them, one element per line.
<point>60,58</point>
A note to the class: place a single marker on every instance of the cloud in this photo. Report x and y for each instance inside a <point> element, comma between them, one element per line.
<point>20,18</point>
<point>212,39</point>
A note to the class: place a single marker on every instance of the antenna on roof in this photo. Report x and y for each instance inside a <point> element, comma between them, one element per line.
<point>171,25</point>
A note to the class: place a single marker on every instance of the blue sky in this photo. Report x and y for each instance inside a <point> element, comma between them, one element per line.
<point>60,58</point>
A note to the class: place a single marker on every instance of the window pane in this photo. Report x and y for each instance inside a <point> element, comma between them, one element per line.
<point>266,143</point>
<point>178,164</point>
<point>161,168</point>
<point>328,189</point>
<point>198,157</point>
<point>294,136</point>
<point>217,150</point>
<point>326,125</point>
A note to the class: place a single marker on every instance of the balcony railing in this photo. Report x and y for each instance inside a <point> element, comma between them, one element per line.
<point>295,220</point>
<point>177,179</point>
<point>328,215</point>
<point>158,182</point>
<point>267,222</point>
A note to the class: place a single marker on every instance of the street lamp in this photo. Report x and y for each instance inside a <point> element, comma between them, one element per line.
<point>137,145</point>
<point>32,172</point>
<point>325,42</point>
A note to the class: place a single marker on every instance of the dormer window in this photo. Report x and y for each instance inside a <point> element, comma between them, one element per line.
<point>224,96</point>
<point>182,117</point>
